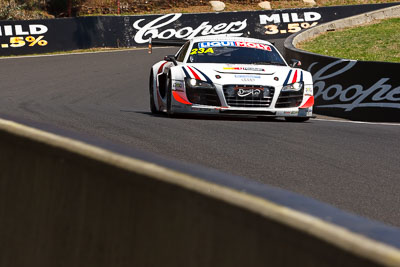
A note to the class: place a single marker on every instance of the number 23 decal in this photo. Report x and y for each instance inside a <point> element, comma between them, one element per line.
<point>201,51</point>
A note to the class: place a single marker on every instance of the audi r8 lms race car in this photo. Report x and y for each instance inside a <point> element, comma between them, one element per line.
<point>230,75</point>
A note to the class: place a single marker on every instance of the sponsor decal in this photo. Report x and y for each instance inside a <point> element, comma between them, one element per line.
<point>17,33</point>
<point>244,68</point>
<point>196,51</point>
<point>152,29</point>
<point>282,23</point>
<point>246,92</point>
<point>308,90</point>
<point>247,78</point>
<point>235,44</point>
<point>380,94</point>
<point>178,86</point>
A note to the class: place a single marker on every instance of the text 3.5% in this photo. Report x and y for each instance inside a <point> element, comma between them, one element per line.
<point>20,41</point>
<point>291,28</point>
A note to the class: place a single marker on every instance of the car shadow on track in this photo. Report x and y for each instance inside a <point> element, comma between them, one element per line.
<point>210,117</point>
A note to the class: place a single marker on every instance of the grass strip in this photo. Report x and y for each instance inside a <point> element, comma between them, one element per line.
<point>379,41</point>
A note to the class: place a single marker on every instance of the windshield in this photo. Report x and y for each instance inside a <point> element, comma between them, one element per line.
<point>233,52</point>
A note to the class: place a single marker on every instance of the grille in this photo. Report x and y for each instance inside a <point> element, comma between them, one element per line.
<point>289,99</point>
<point>248,95</point>
<point>203,96</point>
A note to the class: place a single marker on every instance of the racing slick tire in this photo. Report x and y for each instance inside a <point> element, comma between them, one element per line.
<point>296,119</point>
<point>153,108</point>
<point>169,96</point>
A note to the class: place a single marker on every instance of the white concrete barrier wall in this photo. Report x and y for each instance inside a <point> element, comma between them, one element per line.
<point>66,203</point>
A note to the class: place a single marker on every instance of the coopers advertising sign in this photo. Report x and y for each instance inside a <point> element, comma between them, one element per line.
<point>152,29</point>
<point>22,35</point>
<point>41,36</point>
<point>32,29</point>
<point>380,92</point>
<point>357,90</point>
<point>289,22</point>
<point>258,24</point>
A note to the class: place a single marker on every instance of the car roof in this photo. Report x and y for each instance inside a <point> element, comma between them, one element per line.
<point>211,38</point>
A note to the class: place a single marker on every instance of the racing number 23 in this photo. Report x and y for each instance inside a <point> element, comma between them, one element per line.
<point>201,51</point>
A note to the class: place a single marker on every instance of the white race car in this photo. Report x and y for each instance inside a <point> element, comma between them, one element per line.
<point>230,75</point>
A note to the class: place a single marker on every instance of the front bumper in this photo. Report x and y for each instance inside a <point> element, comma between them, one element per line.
<point>180,108</point>
<point>181,103</point>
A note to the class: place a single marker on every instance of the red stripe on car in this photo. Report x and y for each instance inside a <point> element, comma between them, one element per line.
<point>161,67</point>
<point>294,77</point>
<point>180,98</point>
<point>309,103</point>
<point>194,73</point>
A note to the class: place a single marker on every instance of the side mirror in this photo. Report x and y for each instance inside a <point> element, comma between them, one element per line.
<point>171,58</point>
<point>295,63</point>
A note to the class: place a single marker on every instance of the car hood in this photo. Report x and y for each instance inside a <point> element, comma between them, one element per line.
<point>273,75</point>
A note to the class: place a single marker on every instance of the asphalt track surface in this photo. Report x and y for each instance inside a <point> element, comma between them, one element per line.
<point>353,166</point>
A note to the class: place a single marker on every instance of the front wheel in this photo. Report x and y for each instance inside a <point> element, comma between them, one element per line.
<point>169,96</point>
<point>153,108</point>
<point>296,119</point>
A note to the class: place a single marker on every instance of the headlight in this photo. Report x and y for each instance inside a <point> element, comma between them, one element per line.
<point>293,87</point>
<point>193,83</point>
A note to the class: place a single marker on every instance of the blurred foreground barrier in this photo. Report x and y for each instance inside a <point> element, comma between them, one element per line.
<point>65,203</point>
<point>357,90</point>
